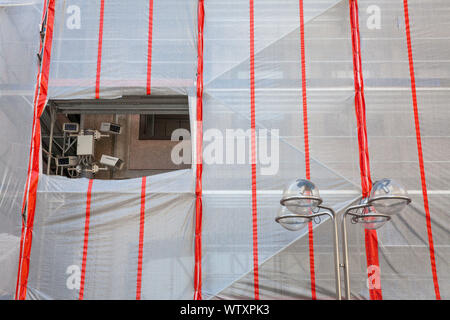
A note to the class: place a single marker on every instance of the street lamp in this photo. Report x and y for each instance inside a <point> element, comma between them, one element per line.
<point>302,203</point>
<point>387,198</point>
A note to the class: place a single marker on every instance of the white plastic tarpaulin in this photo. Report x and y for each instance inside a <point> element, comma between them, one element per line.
<point>270,69</point>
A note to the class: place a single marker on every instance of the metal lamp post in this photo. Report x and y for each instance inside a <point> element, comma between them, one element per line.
<point>302,203</point>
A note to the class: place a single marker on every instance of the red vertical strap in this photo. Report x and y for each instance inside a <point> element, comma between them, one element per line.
<point>30,162</point>
<point>312,269</point>
<point>29,204</point>
<point>306,143</point>
<point>305,104</point>
<point>199,153</point>
<point>371,240</point>
<point>149,47</point>
<point>420,153</point>
<point>99,52</point>
<point>360,104</point>
<point>141,240</point>
<point>86,239</point>
<point>253,147</point>
<point>36,91</point>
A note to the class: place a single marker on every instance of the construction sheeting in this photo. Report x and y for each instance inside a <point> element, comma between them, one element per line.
<point>109,49</point>
<point>19,43</point>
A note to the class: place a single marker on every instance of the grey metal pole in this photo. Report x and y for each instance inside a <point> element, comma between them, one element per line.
<point>330,212</point>
<point>52,125</point>
<point>345,252</point>
<point>337,264</point>
<point>336,260</point>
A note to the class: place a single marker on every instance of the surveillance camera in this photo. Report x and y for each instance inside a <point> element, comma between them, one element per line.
<point>67,161</point>
<point>112,162</point>
<point>112,128</point>
<point>71,127</point>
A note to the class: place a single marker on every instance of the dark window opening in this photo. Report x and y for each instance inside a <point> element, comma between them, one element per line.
<point>160,127</point>
<point>121,138</point>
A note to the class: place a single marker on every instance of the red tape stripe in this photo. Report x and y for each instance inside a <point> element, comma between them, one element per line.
<point>306,142</point>
<point>420,152</point>
<point>99,53</point>
<point>371,240</point>
<point>305,104</point>
<point>312,269</point>
<point>86,239</point>
<point>253,147</point>
<point>29,204</point>
<point>199,153</point>
<point>149,48</point>
<point>360,104</point>
<point>36,92</point>
<point>141,240</point>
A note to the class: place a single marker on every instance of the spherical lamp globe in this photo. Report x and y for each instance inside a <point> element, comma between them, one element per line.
<point>388,197</point>
<point>301,197</point>
<point>290,221</point>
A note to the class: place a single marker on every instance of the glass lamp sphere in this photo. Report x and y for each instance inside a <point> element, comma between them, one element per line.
<point>382,197</point>
<point>372,223</point>
<point>291,221</point>
<point>300,190</point>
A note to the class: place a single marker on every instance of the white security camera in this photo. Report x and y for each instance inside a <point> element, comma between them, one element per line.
<point>71,127</point>
<point>69,161</point>
<point>112,162</point>
<point>112,128</point>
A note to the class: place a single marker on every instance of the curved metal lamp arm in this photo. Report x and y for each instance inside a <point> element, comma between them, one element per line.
<point>309,217</point>
<point>390,197</point>
<point>284,200</point>
<point>357,216</point>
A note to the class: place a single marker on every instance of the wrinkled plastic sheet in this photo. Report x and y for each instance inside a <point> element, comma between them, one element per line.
<point>227,252</point>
